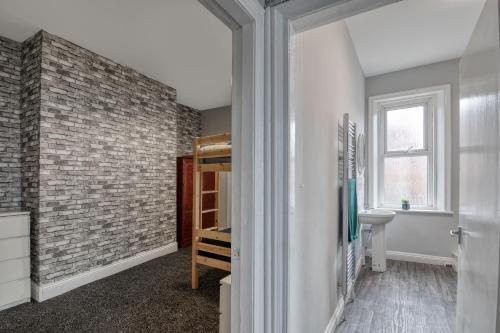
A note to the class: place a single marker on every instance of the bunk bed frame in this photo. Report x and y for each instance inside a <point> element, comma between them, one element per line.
<point>211,246</point>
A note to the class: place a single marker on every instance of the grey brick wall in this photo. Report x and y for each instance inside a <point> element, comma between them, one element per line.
<point>10,124</point>
<point>89,147</point>
<point>107,161</point>
<point>188,127</point>
<point>30,127</point>
<point>99,142</point>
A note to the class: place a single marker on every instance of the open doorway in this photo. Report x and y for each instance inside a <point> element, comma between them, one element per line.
<point>401,85</point>
<point>204,192</point>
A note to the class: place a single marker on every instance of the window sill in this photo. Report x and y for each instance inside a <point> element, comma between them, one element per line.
<point>421,212</point>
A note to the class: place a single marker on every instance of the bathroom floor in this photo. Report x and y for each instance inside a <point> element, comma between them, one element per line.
<point>408,297</point>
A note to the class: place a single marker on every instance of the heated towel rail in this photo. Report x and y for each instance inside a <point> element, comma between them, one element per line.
<point>347,169</point>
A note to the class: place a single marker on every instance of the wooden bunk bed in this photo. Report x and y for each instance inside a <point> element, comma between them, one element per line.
<point>211,245</point>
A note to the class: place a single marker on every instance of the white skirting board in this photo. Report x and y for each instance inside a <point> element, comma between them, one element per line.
<point>45,292</point>
<point>336,318</point>
<point>419,258</point>
<point>13,304</point>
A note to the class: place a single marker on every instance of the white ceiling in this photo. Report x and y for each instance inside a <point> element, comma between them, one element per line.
<point>177,42</point>
<point>412,33</point>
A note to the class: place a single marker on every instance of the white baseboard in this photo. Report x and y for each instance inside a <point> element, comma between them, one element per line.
<point>45,292</point>
<point>416,257</point>
<point>13,304</point>
<point>336,318</point>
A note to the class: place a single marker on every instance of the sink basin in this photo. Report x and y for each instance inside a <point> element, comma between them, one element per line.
<point>376,216</point>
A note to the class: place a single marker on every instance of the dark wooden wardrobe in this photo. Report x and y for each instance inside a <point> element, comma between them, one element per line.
<point>185,200</point>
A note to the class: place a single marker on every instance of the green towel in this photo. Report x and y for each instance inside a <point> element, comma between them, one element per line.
<point>353,210</point>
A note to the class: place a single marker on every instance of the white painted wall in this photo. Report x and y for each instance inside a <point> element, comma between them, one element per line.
<point>413,232</point>
<point>216,121</point>
<point>326,82</point>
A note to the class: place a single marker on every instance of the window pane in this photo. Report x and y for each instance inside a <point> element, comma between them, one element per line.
<point>405,178</point>
<point>405,129</point>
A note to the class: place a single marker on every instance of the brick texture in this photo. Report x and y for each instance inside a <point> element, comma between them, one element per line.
<point>10,124</point>
<point>188,127</point>
<point>30,139</point>
<point>99,147</point>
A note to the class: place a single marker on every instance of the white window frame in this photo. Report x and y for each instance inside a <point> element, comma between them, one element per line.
<point>427,150</point>
<point>436,103</point>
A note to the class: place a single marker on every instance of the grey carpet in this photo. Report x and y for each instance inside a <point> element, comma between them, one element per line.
<point>153,297</point>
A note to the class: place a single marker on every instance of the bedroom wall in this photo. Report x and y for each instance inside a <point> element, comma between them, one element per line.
<point>188,128</point>
<point>10,124</point>
<point>30,130</point>
<point>100,142</point>
<point>216,121</point>
<point>419,233</point>
<point>327,81</point>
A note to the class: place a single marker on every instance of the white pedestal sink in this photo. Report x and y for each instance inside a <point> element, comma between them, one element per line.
<point>377,218</point>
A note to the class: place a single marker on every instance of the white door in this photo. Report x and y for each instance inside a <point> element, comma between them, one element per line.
<point>479,250</point>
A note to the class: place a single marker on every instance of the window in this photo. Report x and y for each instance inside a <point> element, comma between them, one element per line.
<point>409,154</point>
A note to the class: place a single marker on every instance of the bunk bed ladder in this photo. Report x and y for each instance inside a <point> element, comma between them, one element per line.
<point>211,246</point>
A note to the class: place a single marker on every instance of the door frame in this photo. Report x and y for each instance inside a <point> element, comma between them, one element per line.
<point>282,22</point>
<point>246,20</point>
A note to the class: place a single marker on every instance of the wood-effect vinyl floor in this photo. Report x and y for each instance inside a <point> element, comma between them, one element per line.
<point>407,298</point>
